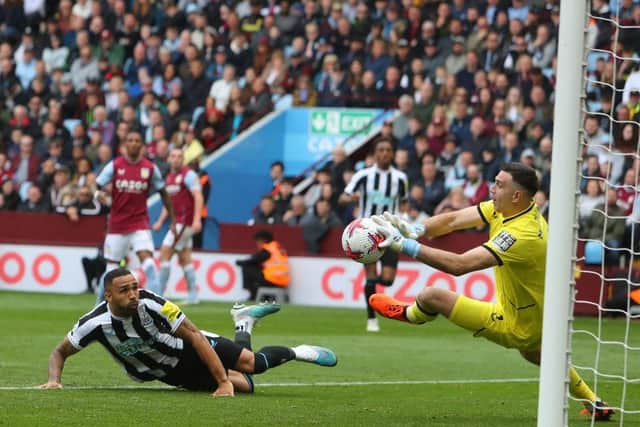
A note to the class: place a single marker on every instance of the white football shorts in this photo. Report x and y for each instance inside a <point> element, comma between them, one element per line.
<point>185,240</point>
<point>117,246</point>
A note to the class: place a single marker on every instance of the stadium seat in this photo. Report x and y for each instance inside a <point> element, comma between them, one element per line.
<point>282,102</point>
<point>592,59</point>
<point>278,295</point>
<point>593,252</point>
<point>197,112</point>
<point>70,124</point>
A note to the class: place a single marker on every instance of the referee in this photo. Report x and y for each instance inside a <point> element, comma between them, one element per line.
<point>377,189</point>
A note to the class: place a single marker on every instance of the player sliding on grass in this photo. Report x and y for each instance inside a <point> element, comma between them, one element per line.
<point>153,340</point>
<point>517,249</point>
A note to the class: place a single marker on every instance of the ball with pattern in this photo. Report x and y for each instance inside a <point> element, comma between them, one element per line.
<point>360,241</point>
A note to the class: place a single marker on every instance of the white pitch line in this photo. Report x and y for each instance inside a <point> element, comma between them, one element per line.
<point>314,384</point>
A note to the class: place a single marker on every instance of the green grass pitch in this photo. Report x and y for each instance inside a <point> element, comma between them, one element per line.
<point>435,375</point>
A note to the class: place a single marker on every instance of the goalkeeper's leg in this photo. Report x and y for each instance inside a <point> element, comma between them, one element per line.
<point>429,303</point>
<point>594,407</point>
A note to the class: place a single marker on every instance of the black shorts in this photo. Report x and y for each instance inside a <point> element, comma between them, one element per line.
<point>390,259</point>
<point>191,372</point>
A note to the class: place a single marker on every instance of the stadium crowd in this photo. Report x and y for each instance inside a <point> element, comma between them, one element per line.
<point>473,81</point>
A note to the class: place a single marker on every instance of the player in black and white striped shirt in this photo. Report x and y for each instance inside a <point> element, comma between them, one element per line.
<point>152,339</point>
<point>377,189</point>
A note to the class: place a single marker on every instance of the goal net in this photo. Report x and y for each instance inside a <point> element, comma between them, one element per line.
<point>604,348</point>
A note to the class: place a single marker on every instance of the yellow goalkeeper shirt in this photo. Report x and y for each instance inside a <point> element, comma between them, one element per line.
<point>519,243</point>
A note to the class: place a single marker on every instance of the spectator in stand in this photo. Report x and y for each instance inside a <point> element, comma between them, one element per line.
<point>606,223</point>
<point>221,89</point>
<point>60,193</point>
<point>83,68</point>
<point>9,193</point>
<point>283,197</point>
<point>590,169</point>
<point>266,212</point>
<point>627,140</point>
<point>83,174</point>
<point>238,119</point>
<point>260,102</point>
<point>433,183</point>
<point>34,203</point>
<point>588,200</point>
<point>55,54</point>
<point>475,188</point>
<point>106,128</point>
<point>193,149</point>
<point>316,224</point>
<point>477,141</point>
<point>626,193</point>
<point>296,212</point>
<point>83,205</point>
<point>26,163</point>
<point>314,192</point>
<point>528,157</point>
<point>454,201</point>
<point>197,86</point>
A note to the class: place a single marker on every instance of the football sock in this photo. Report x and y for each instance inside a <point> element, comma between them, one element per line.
<point>579,388</point>
<point>165,270</point>
<point>243,339</point>
<point>190,277</point>
<point>100,291</point>
<point>270,357</point>
<point>252,385</point>
<point>151,273</point>
<point>417,314</point>
<point>385,283</point>
<point>370,289</point>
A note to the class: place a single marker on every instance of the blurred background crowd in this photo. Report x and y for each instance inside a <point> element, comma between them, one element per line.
<point>472,80</point>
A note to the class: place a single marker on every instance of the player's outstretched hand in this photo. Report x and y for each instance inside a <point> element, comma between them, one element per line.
<point>393,238</point>
<point>411,231</point>
<point>225,389</point>
<point>50,385</point>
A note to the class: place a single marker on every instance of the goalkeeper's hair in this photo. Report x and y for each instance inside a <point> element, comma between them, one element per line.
<point>524,176</point>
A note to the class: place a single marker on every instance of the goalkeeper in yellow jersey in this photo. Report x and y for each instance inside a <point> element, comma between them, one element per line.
<point>516,248</point>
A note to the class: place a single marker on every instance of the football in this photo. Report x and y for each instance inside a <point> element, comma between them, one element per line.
<point>360,241</point>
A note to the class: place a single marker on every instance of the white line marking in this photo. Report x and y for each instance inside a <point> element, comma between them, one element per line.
<point>314,384</point>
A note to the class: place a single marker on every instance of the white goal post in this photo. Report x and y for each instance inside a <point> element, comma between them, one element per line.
<point>558,299</point>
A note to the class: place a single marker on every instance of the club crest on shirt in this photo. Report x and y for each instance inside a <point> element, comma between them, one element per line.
<point>144,173</point>
<point>178,179</point>
<point>147,321</point>
<point>504,240</point>
<point>120,171</point>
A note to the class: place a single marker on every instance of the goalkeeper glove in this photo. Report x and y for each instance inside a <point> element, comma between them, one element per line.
<point>394,239</point>
<point>412,231</point>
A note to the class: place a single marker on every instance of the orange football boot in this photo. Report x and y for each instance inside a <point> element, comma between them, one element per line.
<point>389,307</point>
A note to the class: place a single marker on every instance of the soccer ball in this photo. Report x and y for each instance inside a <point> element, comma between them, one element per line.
<point>360,241</point>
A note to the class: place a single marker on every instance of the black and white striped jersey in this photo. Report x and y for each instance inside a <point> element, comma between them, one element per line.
<point>380,190</point>
<point>144,344</point>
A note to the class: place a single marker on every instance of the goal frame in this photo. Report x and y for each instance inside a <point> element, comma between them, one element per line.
<point>562,238</point>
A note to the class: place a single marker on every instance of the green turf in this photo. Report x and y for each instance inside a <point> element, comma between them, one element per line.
<point>32,324</point>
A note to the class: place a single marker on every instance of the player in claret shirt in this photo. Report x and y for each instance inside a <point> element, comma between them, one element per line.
<point>183,186</point>
<point>131,178</point>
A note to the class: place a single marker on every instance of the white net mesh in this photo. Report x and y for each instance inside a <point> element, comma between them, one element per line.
<point>609,211</point>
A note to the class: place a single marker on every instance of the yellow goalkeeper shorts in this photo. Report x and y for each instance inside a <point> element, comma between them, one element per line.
<point>488,320</point>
